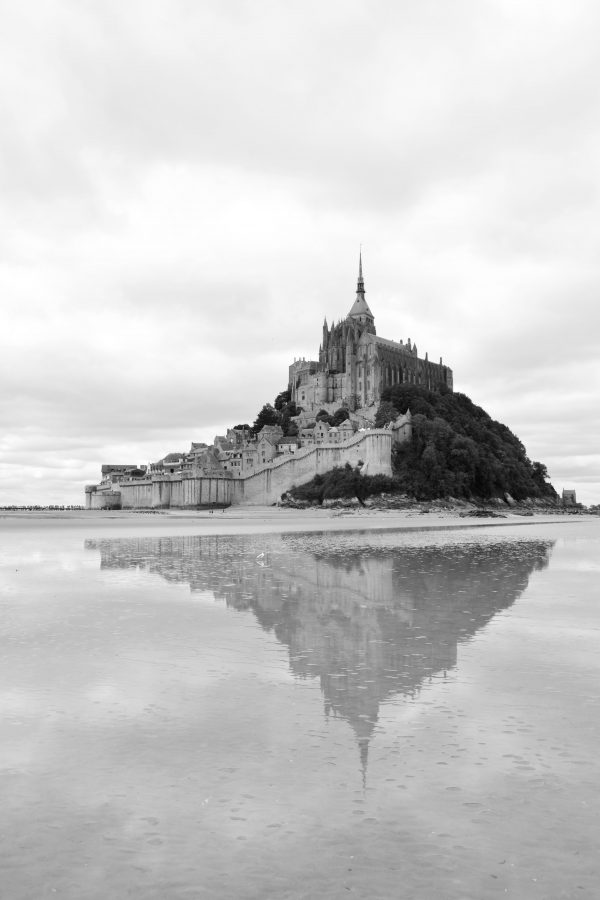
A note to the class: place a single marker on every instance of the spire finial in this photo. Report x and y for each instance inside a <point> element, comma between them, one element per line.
<point>360,287</point>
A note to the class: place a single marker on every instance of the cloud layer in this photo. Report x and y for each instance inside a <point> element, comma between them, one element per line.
<point>184,188</point>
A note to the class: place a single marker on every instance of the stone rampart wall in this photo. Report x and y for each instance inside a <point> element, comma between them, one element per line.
<point>104,500</point>
<point>194,492</point>
<point>267,485</point>
<point>177,492</point>
<point>137,495</point>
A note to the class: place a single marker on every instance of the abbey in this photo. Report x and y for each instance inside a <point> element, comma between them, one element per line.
<point>242,467</point>
<point>355,365</point>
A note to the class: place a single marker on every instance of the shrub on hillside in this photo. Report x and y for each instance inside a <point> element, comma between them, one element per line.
<point>458,450</point>
<point>343,483</point>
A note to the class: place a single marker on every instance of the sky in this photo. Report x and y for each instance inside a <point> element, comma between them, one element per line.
<point>184,188</point>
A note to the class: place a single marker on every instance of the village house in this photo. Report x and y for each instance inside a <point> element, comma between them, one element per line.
<point>171,464</point>
<point>112,474</point>
<point>288,444</point>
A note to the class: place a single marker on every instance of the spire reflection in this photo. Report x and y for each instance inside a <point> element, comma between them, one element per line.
<point>370,622</point>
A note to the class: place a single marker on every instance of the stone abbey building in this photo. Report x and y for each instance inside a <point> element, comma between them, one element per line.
<point>355,365</point>
<point>353,369</point>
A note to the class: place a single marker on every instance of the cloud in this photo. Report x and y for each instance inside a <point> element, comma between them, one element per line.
<point>184,188</point>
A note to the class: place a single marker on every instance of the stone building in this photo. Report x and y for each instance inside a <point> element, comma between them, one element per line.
<point>355,365</point>
<point>112,474</point>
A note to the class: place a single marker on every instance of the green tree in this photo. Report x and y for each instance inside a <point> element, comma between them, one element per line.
<point>458,449</point>
<point>267,416</point>
<point>339,416</point>
<point>287,414</point>
<point>386,413</point>
<point>343,482</point>
<point>282,399</point>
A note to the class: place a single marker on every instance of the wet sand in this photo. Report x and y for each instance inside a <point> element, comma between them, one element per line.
<point>392,704</point>
<point>265,520</point>
<point>363,712</point>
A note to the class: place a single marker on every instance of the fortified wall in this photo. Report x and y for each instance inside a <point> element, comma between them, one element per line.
<point>263,487</point>
<point>162,492</point>
<point>372,448</point>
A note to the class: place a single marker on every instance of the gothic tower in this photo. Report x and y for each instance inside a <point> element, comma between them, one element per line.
<point>355,366</point>
<point>360,311</point>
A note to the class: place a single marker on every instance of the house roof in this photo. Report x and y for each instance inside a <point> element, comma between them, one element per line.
<point>109,467</point>
<point>172,457</point>
<point>396,345</point>
<point>360,307</point>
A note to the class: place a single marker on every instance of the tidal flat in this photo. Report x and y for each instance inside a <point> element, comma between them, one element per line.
<point>292,706</point>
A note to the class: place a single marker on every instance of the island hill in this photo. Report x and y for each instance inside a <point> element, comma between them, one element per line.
<point>369,415</point>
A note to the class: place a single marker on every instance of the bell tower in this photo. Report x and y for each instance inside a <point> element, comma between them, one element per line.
<point>360,311</point>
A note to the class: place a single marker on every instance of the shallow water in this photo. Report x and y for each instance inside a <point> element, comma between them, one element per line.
<point>377,715</point>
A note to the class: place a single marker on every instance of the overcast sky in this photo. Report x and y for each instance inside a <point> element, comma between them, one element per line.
<point>185,185</point>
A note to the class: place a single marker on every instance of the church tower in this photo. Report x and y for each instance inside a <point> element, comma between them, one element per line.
<point>360,312</point>
<point>355,366</point>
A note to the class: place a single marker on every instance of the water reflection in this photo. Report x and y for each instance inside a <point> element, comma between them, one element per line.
<point>370,622</point>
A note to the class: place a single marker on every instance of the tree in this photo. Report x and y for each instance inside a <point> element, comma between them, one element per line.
<point>267,416</point>
<point>386,413</point>
<point>282,399</point>
<point>540,476</point>
<point>287,422</point>
<point>339,416</point>
<point>343,482</point>
<point>457,449</point>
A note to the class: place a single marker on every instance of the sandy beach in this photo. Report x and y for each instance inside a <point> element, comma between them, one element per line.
<point>269,702</point>
<point>265,520</point>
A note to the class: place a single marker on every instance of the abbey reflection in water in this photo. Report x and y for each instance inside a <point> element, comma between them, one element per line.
<point>369,621</point>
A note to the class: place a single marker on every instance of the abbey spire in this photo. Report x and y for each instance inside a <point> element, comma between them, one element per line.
<point>360,308</point>
<point>360,287</point>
